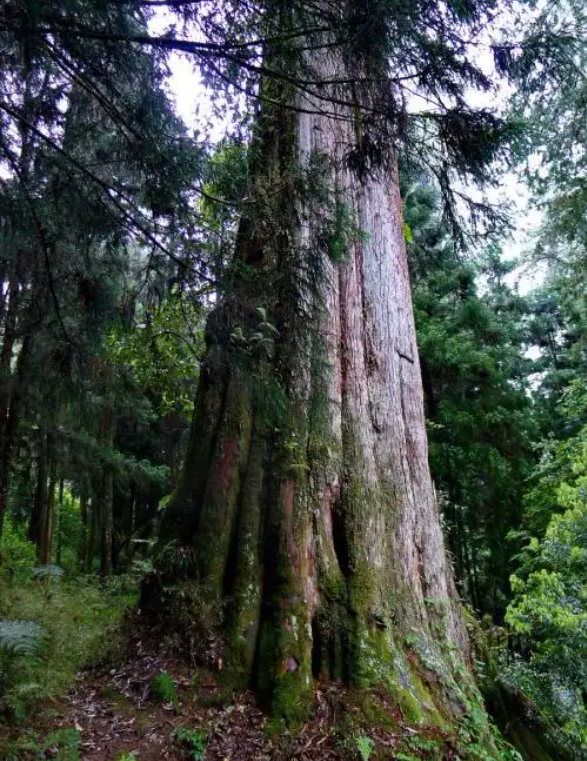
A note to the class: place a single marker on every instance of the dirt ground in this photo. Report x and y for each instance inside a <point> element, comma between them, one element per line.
<point>116,713</point>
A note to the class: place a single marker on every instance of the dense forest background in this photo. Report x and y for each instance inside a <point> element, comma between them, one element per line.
<point>117,230</point>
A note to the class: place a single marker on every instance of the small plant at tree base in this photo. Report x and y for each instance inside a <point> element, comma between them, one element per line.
<point>132,756</point>
<point>192,741</point>
<point>365,747</point>
<point>174,560</point>
<point>163,689</point>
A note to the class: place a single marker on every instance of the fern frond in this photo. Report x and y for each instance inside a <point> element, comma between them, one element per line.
<point>20,637</point>
<point>52,572</point>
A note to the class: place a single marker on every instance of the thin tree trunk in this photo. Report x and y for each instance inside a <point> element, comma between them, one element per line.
<point>93,509</point>
<point>37,522</point>
<point>306,490</point>
<point>82,552</point>
<point>48,509</point>
<point>59,521</point>
<point>7,427</point>
<point>465,533</point>
<point>474,563</point>
<point>107,526</point>
<point>107,496</point>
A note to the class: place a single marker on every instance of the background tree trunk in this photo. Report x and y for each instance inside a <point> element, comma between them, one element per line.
<point>7,431</point>
<point>46,542</point>
<point>306,490</point>
<point>106,526</point>
<point>106,498</point>
<point>94,513</point>
<point>60,521</point>
<point>37,522</point>
<point>82,553</point>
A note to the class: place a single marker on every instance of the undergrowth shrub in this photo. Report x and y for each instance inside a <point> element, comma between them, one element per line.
<point>193,622</point>
<point>163,689</point>
<point>80,622</point>
<point>365,747</point>
<point>59,745</point>
<point>17,554</point>
<point>193,742</point>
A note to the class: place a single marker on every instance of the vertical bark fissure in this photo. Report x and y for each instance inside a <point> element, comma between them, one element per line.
<point>246,594</point>
<point>236,539</point>
<point>219,511</point>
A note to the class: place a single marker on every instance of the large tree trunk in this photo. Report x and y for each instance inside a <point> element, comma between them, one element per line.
<point>306,491</point>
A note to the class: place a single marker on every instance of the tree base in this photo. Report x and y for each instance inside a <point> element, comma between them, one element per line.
<point>418,694</point>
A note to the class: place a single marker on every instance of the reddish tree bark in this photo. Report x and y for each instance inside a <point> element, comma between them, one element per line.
<point>306,491</point>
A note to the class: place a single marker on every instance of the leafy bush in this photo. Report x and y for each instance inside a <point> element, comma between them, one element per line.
<point>549,608</point>
<point>66,537</point>
<point>17,554</point>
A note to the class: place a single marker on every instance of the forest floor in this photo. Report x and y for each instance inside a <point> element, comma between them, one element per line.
<point>115,717</point>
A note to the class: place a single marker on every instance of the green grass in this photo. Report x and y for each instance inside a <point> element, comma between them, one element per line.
<point>80,618</point>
